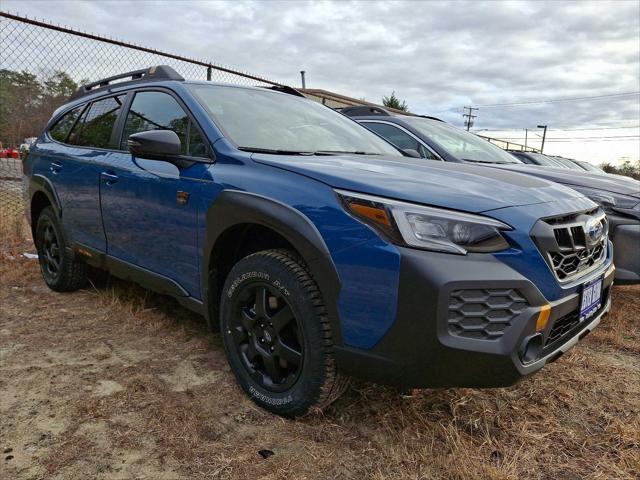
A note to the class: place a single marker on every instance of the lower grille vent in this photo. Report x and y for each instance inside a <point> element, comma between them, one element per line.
<point>483,314</point>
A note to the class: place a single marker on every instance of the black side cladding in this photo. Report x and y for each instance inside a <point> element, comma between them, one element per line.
<point>234,207</point>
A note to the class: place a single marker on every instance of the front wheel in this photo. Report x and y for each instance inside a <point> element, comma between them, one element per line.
<point>61,272</point>
<point>276,334</point>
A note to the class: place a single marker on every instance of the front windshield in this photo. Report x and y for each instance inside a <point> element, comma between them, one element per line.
<point>272,122</point>
<point>591,168</point>
<point>461,144</point>
<point>547,161</point>
<point>568,163</point>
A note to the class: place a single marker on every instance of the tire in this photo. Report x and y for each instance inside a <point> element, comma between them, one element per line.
<point>61,272</point>
<point>276,334</point>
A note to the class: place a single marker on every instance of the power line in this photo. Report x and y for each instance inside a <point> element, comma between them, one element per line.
<point>586,140</point>
<point>559,129</point>
<point>556,100</point>
<point>578,138</point>
<point>593,128</point>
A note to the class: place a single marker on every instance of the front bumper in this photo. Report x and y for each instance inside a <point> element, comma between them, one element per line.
<point>424,349</point>
<point>626,240</point>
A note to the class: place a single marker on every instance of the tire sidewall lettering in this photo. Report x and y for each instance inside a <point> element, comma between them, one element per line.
<point>279,276</point>
<point>253,275</point>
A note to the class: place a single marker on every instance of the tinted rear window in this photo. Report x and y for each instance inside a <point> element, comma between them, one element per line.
<point>60,131</point>
<point>96,124</point>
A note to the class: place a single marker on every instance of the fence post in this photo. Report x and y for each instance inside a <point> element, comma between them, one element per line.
<point>209,73</point>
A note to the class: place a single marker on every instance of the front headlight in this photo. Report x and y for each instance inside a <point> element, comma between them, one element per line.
<point>427,227</point>
<point>611,201</point>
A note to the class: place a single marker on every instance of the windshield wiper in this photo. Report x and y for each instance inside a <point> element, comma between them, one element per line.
<point>274,151</point>
<point>296,152</point>
<point>350,152</point>
<point>484,161</point>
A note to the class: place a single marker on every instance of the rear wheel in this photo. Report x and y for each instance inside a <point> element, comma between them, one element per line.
<point>276,334</point>
<point>61,272</point>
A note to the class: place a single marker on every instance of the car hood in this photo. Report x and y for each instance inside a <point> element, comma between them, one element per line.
<point>452,185</point>
<point>609,183</point>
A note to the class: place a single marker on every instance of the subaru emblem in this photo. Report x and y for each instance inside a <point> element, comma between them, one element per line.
<point>594,229</point>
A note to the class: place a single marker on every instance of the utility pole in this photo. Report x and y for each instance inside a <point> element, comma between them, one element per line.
<point>526,134</point>
<point>544,135</point>
<point>469,117</point>
<point>304,83</point>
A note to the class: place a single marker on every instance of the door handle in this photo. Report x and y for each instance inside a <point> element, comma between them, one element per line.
<point>109,177</point>
<point>55,167</point>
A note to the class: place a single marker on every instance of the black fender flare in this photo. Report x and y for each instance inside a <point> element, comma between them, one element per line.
<point>41,184</point>
<point>233,207</point>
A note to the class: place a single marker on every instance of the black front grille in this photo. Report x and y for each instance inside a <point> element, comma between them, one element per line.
<point>569,263</point>
<point>567,247</point>
<point>483,314</point>
<point>563,326</point>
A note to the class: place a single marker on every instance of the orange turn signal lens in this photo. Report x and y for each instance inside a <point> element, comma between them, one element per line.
<point>543,317</point>
<point>378,215</point>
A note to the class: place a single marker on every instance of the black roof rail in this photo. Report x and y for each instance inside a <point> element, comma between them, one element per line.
<point>432,118</point>
<point>286,89</point>
<point>364,111</point>
<point>160,72</point>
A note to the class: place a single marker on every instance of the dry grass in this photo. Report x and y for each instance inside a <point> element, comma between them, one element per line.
<point>14,230</point>
<point>116,382</point>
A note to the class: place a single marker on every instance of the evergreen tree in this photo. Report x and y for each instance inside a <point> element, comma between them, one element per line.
<point>394,102</point>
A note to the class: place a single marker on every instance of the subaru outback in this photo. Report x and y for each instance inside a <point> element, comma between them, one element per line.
<point>432,139</point>
<point>315,249</point>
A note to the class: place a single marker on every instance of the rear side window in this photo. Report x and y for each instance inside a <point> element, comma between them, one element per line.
<point>96,124</point>
<point>160,111</point>
<point>60,131</point>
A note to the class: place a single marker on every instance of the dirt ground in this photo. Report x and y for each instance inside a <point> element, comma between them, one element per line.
<point>114,382</point>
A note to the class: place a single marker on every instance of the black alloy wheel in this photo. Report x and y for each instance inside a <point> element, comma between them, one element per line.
<point>277,335</point>
<point>267,336</point>
<point>61,270</point>
<point>51,259</point>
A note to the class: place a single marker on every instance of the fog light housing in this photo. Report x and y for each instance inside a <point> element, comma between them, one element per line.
<point>531,348</point>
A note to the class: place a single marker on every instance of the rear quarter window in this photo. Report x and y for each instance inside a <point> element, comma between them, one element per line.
<point>60,130</point>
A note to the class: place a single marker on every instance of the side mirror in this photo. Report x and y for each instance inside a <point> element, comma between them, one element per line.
<point>155,144</point>
<point>410,152</point>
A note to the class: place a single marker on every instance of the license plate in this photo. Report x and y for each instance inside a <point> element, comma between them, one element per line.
<point>591,298</point>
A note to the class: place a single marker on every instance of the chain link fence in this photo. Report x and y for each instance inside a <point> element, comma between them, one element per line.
<point>42,64</point>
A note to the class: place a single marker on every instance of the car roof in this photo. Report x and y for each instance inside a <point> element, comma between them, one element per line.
<point>104,88</point>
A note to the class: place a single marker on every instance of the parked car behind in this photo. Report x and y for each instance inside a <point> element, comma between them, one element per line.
<point>309,243</point>
<point>26,145</point>
<point>8,152</point>
<point>533,158</point>
<point>587,166</point>
<point>436,140</point>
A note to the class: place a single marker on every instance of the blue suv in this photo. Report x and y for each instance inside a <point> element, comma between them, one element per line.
<point>433,139</point>
<point>313,246</point>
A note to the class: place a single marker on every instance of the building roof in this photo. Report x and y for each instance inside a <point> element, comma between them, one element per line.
<point>336,100</point>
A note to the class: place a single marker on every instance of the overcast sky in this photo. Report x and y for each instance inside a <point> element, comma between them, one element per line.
<point>437,56</point>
